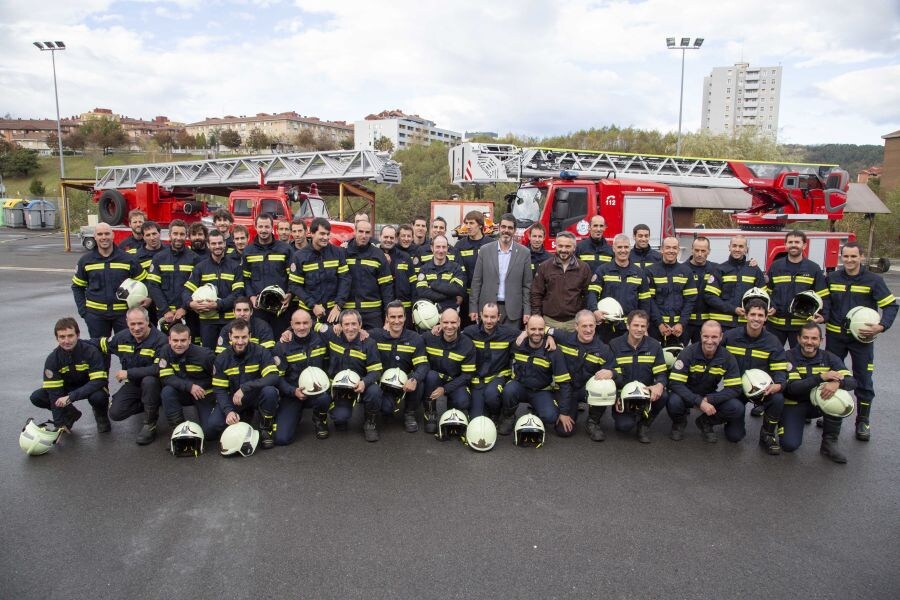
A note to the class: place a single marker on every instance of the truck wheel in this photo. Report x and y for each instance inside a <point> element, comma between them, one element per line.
<point>89,243</point>
<point>112,207</point>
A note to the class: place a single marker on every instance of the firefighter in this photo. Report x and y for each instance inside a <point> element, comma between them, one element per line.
<point>319,276</point>
<point>493,357</point>
<point>401,348</point>
<point>303,349</point>
<point>245,379</point>
<point>705,273</point>
<point>284,232</point>
<point>265,263</point>
<point>440,280</point>
<point>622,280</point>
<point>224,273</point>
<point>586,356</point>
<point>241,236</point>
<point>756,348</point>
<point>466,251</point>
<point>144,256</point>
<point>736,276</point>
<point>347,350</point>
<point>260,332</point>
<point>97,277</point>
<point>137,348</point>
<point>639,357</point>
<point>451,358</point>
<point>420,231</point>
<point>370,277</point>
<point>136,218</point>
<point>224,221</point>
<point>706,376</point>
<point>405,240</point>
<point>185,374</point>
<point>642,254</point>
<point>673,295</point>
<point>199,237</point>
<point>298,234</point>
<point>536,372</point>
<point>536,235</point>
<point>855,285</point>
<point>594,250</point>
<point>813,366</point>
<point>75,370</point>
<point>788,276</point>
<point>402,270</point>
<point>168,272</point>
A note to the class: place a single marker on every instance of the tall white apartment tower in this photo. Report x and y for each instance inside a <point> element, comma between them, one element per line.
<point>739,97</point>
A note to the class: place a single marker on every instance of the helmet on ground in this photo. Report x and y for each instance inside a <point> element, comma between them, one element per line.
<point>840,404</point>
<point>271,299</point>
<point>132,292</point>
<point>452,424</point>
<point>313,381</point>
<point>671,354</point>
<point>529,431</point>
<point>806,304</point>
<point>600,392</point>
<point>38,439</point>
<point>859,317</point>
<point>238,438</point>
<point>426,314</point>
<point>612,308</point>
<point>343,385</point>
<point>481,434</point>
<point>634,396</point>
<point>187,439</point>
<point>755,382</point>
<point>206,293</point>
<point>164,326</point>
<point>756,294</point>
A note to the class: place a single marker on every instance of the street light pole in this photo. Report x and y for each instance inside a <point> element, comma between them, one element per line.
<point>685,44</point>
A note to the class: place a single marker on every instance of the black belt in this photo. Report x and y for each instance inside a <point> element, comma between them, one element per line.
<point>501,302</point>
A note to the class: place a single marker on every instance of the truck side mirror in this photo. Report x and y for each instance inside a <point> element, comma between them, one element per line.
<point>560,208</point>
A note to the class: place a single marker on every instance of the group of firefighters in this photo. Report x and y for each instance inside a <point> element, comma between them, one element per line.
<point>255,331</point>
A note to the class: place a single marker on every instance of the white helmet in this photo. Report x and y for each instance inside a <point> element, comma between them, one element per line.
<point>426,314</point>
<point>313,381</point>
<point>271,299</point>
<point>529,431</point>
<point>840,404</point>
<point>671,354</point>
<point>755,382</point>
<point>453,424</point>
<point>612,308</point>
<point>132,292</point>
<point>600,392</point>
<point>240,437</point>
<point>861,316</point>
<point>756,294</point>
<point>206,293</point>
<point>38,439</point>
<point>806,304</point>
<point>394,378</point>
<point>187,439</point>
<point>481,434</point>
<point>633,396</point>
<point>343,385</point>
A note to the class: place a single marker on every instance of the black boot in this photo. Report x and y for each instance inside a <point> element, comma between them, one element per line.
<point>705,426</point>
<point>829,447</point>
<point>595,413</point>
<point>266,431</point>
<point>148,431</point>
<point>757,410</point>
<point>102,419</point>
<point>678,426</point>
<point>430,417</point>
<point>176,419</point>
<point>863,431</point>
<point>643,431</point>
<point>768,436</point>
<point>409,421</point>
<point>320,424</point>
<point>370,428</point>
<point>507,421</point>
<point>71,415</point>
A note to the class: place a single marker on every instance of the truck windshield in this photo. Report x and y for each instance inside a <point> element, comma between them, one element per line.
<point>526,207</point>
<point>313,207</point>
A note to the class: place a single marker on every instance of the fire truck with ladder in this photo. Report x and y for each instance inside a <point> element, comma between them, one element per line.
<point>563,189</point>
<point>284,185</point>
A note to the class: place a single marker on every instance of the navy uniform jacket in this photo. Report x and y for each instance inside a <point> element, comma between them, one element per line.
<point>372,286</point>
<point>724,295</point>
<point>359,356</point>
<point>646,257</point>
<point>168,272</point>
<point>139,359</point>
<point>694,376</point>
<point>540,369</point>
<point>786,280</point>
<point>260,333</point>
<point>454,362</point>
<point>705,274</point>
<point>626,284</point>
<point>297,354</point>
<point>583,360</point>
<point>266,265</point>
<point>320,277</point>
<point>406,352</point>
<point>594,253</point>
<point>76,374</point>
<point>249,371</point>
<point>403,273</point>
<point>181,371</point>
<point>538,257</point>
<point>806,374</point>
<point>493,351</point>
<point>865,289</point>
<point>673,293</point>
<point>646,363</point>
<point>440,283</point>
<point>763,352</point>
<point>97,278</point>
<point>466,251</point>
<point>226,276</point>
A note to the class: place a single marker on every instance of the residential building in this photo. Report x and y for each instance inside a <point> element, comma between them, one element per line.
<point>401,129</point>
<point>32,133</point>
<point>890,174</point>
<point>281,127</point>
<point>740,97</point>
<point>870,173</point>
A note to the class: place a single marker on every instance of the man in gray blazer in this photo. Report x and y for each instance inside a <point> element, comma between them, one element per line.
<point>508,263</point>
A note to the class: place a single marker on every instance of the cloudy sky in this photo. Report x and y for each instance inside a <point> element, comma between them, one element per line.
<point>529,67</point>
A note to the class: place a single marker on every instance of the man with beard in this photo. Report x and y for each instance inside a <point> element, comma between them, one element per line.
<point>319,276</point>
<point>736,276</point>
<point>224,273</point>
<point>260,332</point>
<point>198,235</point>
<point>168,272</point>
<point>788,276</point>
<point>560,285</point>
<point>136,218</point>
<point>241,237</point>
<point>185,373</point>
<point>536,236</point>
<point>503,276</point>
<point>622,280</point>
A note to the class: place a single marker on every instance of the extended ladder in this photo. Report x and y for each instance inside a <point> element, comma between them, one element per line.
<point>298,167</point>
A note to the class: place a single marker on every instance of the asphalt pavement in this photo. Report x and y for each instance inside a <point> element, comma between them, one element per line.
<point>412,517</point>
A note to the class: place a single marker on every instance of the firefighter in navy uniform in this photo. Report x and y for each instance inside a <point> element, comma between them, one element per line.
<point>673,295</point>
<point>451,359</point>
<point>75,370</point>
<point>812,367</point>
<point>404,349</point>
<point>440,279</point>
<point>493,358</point>
<point>642,254</point>
<point>854,285</point>
<point>97,277</point>
<point>737,275</point>
<point>129,245</point>
<point>537,372</point>
<point>245,379</point>
<point>622,280</point>
<point>402,270</point>
<point>305,348</point>
<point>319,276</point>
<point>138,349</point>
<point>265,263</point>
<point>788,276</point>
<point>706,376</point>
<point>370,275</point>
<point>594,250</point>
<point>185,374</point>
<point>466,251</point>
<point>260,332</point>
<point>167,273</point>
<point>756,348</point>
<point>536,236</point>
<point>704,273</point>
<point>224,273</point>
<point>638,357</point>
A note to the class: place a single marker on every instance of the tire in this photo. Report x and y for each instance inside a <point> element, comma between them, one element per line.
<point>112,207</point>
<point>89,243</point>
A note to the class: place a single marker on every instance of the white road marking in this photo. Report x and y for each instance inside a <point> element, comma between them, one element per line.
<point>37,270</point>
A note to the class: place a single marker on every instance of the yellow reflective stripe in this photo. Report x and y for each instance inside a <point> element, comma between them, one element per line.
<point>860,289</point>
<point>760,354</point>
<point>269,369</point>
<point>736,350</point>
<point>222,383</point>
<point>52,384</point>
<point>682,377</point>
<point>97,375</point>
<point>251,368</point>
<point>253,258</point>
<point>889,299</point>
<point>832,328</point>
<point>125,266</point>
<point>732,382</point>
<point>79,281</point>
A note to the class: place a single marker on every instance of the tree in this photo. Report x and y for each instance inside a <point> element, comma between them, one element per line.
<point>383,144</point>
<point>346,143</point>
<point>185,140</point>
<point>16,161</point>
<point>306,140</point>
<point>230,138</point>
<point>74,140</point>
<point>325,142</point>
<point>200,141</point>
<point>52,142</point>
<point>37,188</point>
<point>165,140</point>
<point>103,133</point>
<point>257,140</point>
<point>215,138</point>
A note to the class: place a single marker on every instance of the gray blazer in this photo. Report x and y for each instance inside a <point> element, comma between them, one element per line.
<point>486,280</point>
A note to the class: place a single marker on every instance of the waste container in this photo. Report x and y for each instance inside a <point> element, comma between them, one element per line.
<point>14,212</point>
<point>40,214</point>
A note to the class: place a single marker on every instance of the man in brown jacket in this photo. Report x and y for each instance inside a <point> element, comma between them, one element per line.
<point>560,285</point>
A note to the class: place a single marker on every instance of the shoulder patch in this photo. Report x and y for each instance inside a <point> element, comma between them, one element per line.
<point>679,364</point>
<point>790,366</point>
<point>594,278</point>
<point>162,363</point>
<point>48,374</point>
<point>710,278</point>
<point>421,276</point>
<point>152,266</point>
<point>277,361</point>
<point>293,267</point>
<point>220,341</point>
